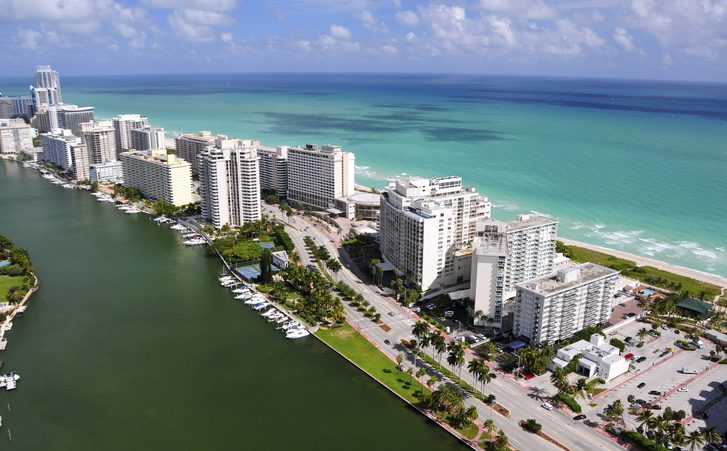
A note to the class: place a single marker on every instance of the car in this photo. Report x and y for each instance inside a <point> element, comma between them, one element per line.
<point>387,342</point>
<point>493,375</point>
<point>631,315</point>
<point>579,417</point>
<point>448,313</point>
<point>640,402</point>
<point>682,389</point>
<point>641,359</point>
<point>430,307</point>
<point>664,326</point>
<point>641,385</point>
<point>629,339</point>
<point>636,357</point>
<point>547,406</point>
<point>629,356</point>
<point>529,376</point>
<point>676,331</point>
<point>623,304</point>
<point>390,313</point>
<point>656,407</point>
<point>655,392</point>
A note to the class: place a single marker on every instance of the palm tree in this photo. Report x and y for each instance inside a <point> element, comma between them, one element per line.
<point>420,329</point>
<point>439,344</point>
<point>489,349</point>
<point>711,435</point>
<point>489,428</point>
<point>421,372</point>
<point>695,440</point>
<point>399,360</point>
<point>334,265</point>
<point>475,369</point>
<point>559,378</point>
<point>502,441</point>
<point>644,417</point>
<point>373,266</point>
<point>432,381</point>
<point>470,415</point>
<point>456,357</point>
<point>642,334</point>
<point>614,410</point>
<point>581,386</point>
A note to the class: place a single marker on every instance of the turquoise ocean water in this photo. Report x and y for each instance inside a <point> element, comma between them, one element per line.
<point>632,165</point>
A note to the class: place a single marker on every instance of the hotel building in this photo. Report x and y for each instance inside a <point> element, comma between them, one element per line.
<point>425,227</point>
<point>319,175</point>
<point>67,151</point>
<point>229,178</point>
<point>100,141</point>
<point>274,169</point>
<point>158,175</point>
<point>192,144</point>
<point>555,306</point>
<point>123,125</point>
<point>147,138</point>
<point>15,136</point>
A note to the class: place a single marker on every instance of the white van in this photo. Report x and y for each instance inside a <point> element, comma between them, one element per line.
<point>699,344</point>
<point>689,371</point>
<point>448,313</point>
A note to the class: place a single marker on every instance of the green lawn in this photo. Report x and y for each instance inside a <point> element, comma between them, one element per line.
<point>6,282</point>
<point>350,343</point>
<point>647,274</point>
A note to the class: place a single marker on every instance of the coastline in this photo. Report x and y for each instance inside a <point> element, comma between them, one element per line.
<point>16,310</point>
<point>645,261</point>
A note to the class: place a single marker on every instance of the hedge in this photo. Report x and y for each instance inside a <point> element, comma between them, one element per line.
<point>642,442</point>
<point>569,401</point>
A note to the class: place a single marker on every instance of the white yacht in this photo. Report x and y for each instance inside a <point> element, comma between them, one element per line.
<point>260,305</point>
<point>297,333</point>
<point>270,312</point>
<point>195,242</point>
<point>243,296</point>
<point>132,210</point>
<point>242,290</point>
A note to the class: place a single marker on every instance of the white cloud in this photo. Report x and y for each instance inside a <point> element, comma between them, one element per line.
<point>624,39</point>
<point>28,39</point>
<point>197,25</point>
<point>340,32</point>
<point>226,38</point>
<point>529,9</point>
<point>408,18</point>
<point>204,5</point>
<point>389,49</point>
<point>368,20</point>
<point>411,37</point>
<point>76,11</point>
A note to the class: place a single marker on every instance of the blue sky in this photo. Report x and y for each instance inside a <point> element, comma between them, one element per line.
<point>655,39</point>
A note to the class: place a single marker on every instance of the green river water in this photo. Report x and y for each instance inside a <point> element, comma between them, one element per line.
<point>131,344</point>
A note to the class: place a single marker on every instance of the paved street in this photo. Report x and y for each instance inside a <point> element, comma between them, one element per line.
<point>400,320</point>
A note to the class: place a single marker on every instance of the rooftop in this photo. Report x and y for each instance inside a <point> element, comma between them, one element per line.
<point>568,278</point>
<point>695,305</point>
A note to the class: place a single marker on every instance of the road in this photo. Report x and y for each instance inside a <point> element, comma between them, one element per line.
<point>399,320</point>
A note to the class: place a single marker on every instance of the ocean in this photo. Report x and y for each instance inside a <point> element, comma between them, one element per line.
<point>638,166</point>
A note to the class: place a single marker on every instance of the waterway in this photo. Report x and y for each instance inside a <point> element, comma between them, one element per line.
<point>131,344</point>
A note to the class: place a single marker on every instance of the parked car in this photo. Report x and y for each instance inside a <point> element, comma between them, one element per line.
<point>629,356</point>
<point>641,385</point>
<point>387,342</point>
<point>656,407</point>
<point>682,389</point>
<point>655,392</point>
<point>579,417</point>
<point>529,376</point>
<point>631,315</point>
<point>664,326</point>
<point>629,339</point>
<point>547,406</point>
<point>641,359</point>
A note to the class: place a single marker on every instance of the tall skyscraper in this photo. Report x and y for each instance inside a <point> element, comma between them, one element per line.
<point>319,175</point>
<point>425,227</point>
<point>100,141</point>
<point>47,89</point>
<point>192,144</point>
<point>274,169</point>
<point>147,138</point>
<point>124,124</point>
<point>229,180</point>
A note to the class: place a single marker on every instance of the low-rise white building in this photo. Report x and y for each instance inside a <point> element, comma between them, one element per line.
<point>554,307</point>
<point>109,172</point>
<point>598,358</point>
<point>280,259</point>
<point>158,175</point>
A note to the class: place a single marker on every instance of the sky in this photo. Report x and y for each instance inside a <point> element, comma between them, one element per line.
<point>645,39</point>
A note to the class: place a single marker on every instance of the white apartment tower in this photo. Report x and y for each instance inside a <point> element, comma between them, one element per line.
<point>71,117</point>
<point>100,141</point>
<point>67,151</point>
<point>554,307</point>
<point>124,124</point>
<point>15,136</point>
<point>527,246</point>
<point>229,178</point>
<point>425,227</point>
<point>47,89</point>
<point>192,144</point>
<point>147,138</point>
<point>319,175</point>
<point>274,169</point>
<point>158,175</point>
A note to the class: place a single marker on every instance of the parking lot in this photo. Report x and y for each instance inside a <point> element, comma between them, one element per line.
<point>661,371</point>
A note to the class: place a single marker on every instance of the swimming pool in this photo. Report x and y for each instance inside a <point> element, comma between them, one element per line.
<point>4,263</point>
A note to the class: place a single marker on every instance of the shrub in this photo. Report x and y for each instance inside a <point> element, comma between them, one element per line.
<point>569,401</point>
<point>531,425</point>
<point>618,343</point>
<point>642,442</point>
<point>640,344</point>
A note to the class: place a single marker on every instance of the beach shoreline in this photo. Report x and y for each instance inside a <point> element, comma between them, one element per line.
<point>645,261</point>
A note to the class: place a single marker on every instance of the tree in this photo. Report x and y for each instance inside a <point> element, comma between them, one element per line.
<point>322,253</point>
<point>642,334</point>
<point>398,286</point>
<point>711,435</point>
<point>475,369</point>
<point>644,417</point>
<point>399,360</point>
<point>334,265</point>
<point>374,267</point>
<point>694,440</point>
<point>531,425</point>
<point>559,379</point>
<point>614,410</point>
<point>410,372</point>
<point>489,350</point>
<point>421,372</point>
<point>456,357</point>
<point>432,381</point>
<point>420,329</point>
<point>287,210</point>
<point>266,262</point>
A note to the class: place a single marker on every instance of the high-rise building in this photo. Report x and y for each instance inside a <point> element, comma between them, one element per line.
<point>158,175</point>
<point>229,182</point>
<point>319,175</point>
<point>527,246</point>
<point>192,144</point>
<point>47,89</point>
<point>100,141</point>
<point>22,106</point>
<point>147,138</point>
<point>425,227</point>
<point>15,136</point>
<point>124,124</point>
<point>555,306</point>
<point>71,117</point>
<point>274,169</point>
<point>67,151</point>
<point>6,107</point>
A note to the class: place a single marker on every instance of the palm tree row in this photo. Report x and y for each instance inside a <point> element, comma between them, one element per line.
<point>668,428</point>
<point>535,358</point>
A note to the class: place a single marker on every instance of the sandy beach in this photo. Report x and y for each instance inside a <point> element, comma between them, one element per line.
<point>644,261</point>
